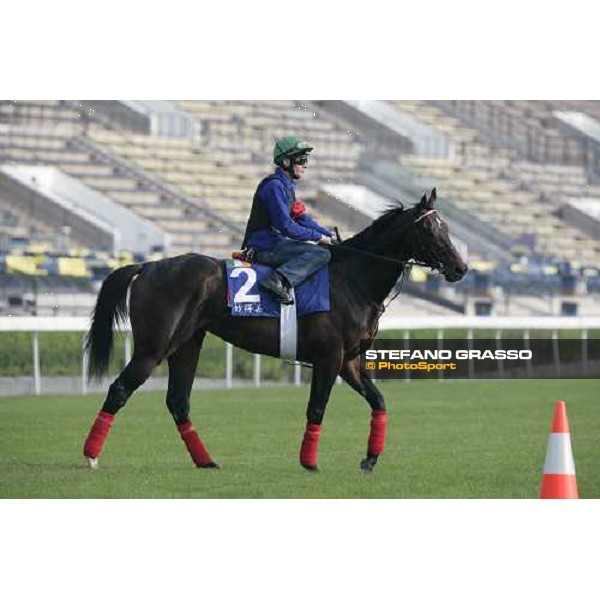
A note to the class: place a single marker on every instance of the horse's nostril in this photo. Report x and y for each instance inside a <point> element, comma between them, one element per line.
<point>460,270</point>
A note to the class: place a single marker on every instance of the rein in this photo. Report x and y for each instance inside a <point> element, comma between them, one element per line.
<point>403,277</point>
<point>406,265</point>
<point>381,257</point>
<point>396,261</point>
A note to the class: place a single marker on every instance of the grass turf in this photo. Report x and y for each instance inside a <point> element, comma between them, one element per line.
<point>461,439</point>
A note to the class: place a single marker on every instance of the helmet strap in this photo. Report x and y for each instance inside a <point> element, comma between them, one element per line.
<point>287,164</point>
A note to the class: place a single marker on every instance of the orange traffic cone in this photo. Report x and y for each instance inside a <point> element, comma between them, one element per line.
<point>559,480</point>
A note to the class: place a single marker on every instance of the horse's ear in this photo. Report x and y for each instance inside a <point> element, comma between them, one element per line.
<point>432,198</point>
<point>423,202</point>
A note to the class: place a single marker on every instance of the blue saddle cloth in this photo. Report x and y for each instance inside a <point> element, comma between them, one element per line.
<point>248,299</point>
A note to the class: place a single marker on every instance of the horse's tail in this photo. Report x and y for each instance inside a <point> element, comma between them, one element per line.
<point>111,306</point>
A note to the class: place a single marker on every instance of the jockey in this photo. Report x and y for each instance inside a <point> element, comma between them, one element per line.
<point>279,230</point>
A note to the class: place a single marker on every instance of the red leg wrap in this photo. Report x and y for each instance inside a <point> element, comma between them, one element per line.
<point>97,435</point>
<point>377,435</point>
<point>310,445</point>
<point>194,444</point>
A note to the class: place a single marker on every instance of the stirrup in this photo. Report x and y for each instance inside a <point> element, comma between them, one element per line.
<point>281,291</point>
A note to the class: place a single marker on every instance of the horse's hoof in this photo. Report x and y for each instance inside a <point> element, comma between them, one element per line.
<point>368,464</point>
<point>210,465</point>
<point>365,467</point>
<point>92,462</point>
<point>311,468</point>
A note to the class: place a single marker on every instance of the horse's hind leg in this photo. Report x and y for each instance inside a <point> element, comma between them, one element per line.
<point>359,380</point>
<point>134,375</point>
<point>182,369</point>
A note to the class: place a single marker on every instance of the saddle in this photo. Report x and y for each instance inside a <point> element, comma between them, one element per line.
<point>247,255</point>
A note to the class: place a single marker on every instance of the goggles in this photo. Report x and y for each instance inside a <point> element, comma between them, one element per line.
<point>300,160</point>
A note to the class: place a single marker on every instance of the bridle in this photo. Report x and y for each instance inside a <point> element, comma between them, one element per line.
<point>419,249</point>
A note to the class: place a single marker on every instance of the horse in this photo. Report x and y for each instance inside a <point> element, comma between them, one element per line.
<point>174,302</point>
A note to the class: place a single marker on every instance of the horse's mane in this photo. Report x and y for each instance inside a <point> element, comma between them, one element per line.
<point>365,238</point>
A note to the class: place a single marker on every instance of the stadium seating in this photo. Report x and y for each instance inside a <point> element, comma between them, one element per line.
<point>218,172</point>
<point>511,166</point>
<point>221,169</point>
<point>525,127</point>
<point>517,197</point>
<point>32,137</point>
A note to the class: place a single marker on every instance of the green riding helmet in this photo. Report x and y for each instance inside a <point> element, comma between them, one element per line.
<point>290,146</point>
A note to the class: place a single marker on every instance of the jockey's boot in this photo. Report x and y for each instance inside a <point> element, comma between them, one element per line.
<point>275,284</point>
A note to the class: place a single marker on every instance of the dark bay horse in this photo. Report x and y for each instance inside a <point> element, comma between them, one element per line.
<point>175,301</point>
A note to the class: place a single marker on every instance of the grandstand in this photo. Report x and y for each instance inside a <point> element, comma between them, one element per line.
<point>517,184</point>
<point>53,133</point>
<point>519,197</point>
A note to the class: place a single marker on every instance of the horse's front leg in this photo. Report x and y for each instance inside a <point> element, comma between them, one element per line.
<point>358,379</point>
<point>323,378</point>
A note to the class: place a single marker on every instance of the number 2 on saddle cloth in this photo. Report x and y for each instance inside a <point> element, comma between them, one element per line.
<point>247,298</point>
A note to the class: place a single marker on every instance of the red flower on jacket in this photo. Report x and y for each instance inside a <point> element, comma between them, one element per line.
<point>298,209</point>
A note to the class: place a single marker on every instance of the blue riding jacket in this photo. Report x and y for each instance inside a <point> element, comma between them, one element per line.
<point>276,194</point>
